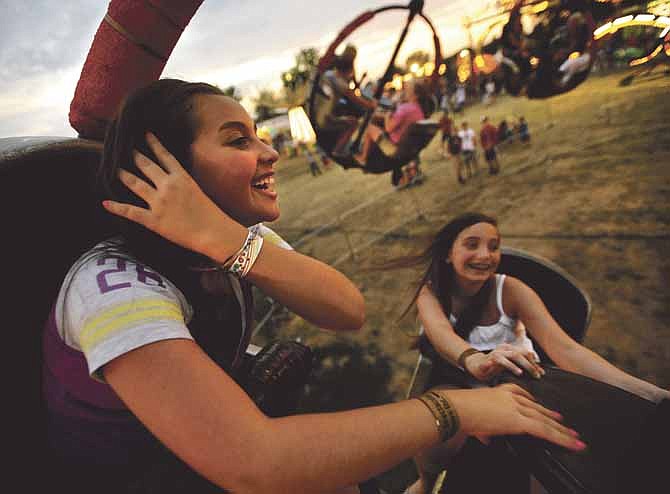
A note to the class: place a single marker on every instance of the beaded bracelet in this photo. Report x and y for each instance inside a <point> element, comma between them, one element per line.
<point>241,262</point>
<point>229,261</point>
<point>245,259</point>
<point>446,418</point>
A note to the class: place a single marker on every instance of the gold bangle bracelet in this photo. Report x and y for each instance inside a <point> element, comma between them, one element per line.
<point>466,353</point>
<point>446,418</point>
<point>436,415</point>
<point>450,419</point>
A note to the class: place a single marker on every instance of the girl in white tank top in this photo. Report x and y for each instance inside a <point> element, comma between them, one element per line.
<point>475,319</point>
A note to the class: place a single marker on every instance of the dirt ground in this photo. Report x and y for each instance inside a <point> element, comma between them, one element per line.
<point>590,192</point>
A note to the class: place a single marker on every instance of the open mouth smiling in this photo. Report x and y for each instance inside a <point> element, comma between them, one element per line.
<point>264,182</point>
<point>480,267</point>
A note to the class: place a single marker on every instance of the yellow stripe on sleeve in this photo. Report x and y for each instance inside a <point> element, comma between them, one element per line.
<point>126,315</point>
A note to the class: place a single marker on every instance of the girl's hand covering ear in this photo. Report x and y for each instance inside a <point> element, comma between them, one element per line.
<point>178,208</point>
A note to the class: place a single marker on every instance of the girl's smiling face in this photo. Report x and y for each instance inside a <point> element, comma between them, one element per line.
<point>232,165</point>
<point>475,255</point>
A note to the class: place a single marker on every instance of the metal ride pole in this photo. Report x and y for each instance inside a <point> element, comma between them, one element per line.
<point>415,6</point>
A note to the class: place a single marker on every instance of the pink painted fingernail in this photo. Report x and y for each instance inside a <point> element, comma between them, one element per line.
<point>580,445</point>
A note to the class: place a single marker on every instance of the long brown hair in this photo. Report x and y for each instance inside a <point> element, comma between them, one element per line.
<point>439,275</point>
<point>424,98</point>
<point>165,108</point>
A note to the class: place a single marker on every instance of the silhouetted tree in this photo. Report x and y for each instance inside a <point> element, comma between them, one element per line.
<point>232,92</point>
<point>265,105</point>
<point>296,79</point>
<point>419,57</point>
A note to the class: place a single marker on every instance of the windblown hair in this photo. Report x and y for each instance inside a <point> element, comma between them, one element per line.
<point>425,98</point>
<point>439,275</point>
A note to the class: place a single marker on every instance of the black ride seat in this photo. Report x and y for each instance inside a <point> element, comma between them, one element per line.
<point>567,302</point>
<point>50,217</point>
<point>328,122</point>
<point>387,155</point>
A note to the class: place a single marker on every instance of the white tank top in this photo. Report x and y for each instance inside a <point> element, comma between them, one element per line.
<point>505,330</point>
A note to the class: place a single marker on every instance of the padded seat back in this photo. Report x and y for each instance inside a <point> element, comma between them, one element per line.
<point>323,108</point>
<point>50,216</point>
<point>566,301</point>
<point>323,103</point>
<point>418,136</point>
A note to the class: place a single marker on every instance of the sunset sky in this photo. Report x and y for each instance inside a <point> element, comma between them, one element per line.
<point>242,43</point>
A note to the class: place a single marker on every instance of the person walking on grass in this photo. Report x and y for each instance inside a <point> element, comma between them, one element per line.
<point>454,148</point>
<point>446,127</point>
<point>468,148</point>
<point>489,138</point>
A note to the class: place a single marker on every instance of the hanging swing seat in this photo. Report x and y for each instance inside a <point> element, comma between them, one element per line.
<point>328,115</point>
<point>385,155</point>
<point>334,121</point>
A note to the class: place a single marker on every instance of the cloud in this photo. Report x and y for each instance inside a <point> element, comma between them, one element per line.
<point>246,44</point>
<point>39,104</point>
<point>45,35</point>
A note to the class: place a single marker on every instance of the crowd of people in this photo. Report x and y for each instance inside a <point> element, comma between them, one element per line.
<point>462,143</point>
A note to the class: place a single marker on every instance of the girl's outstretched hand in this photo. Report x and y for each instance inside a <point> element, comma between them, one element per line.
<point>509,409</point>
<point>484,366</point>
<point>178,208</point>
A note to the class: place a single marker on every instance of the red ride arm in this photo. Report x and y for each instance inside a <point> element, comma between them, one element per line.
<point>129,50</point>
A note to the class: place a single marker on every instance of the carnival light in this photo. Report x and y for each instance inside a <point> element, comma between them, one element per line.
<point>301,129</point>
<point>535,9</point>
<point>602,30</point>
<point>622,20</point>
<point>644,17</point>
<point>485,63</point>
<point>640,61</point>
<point>652,20</point>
